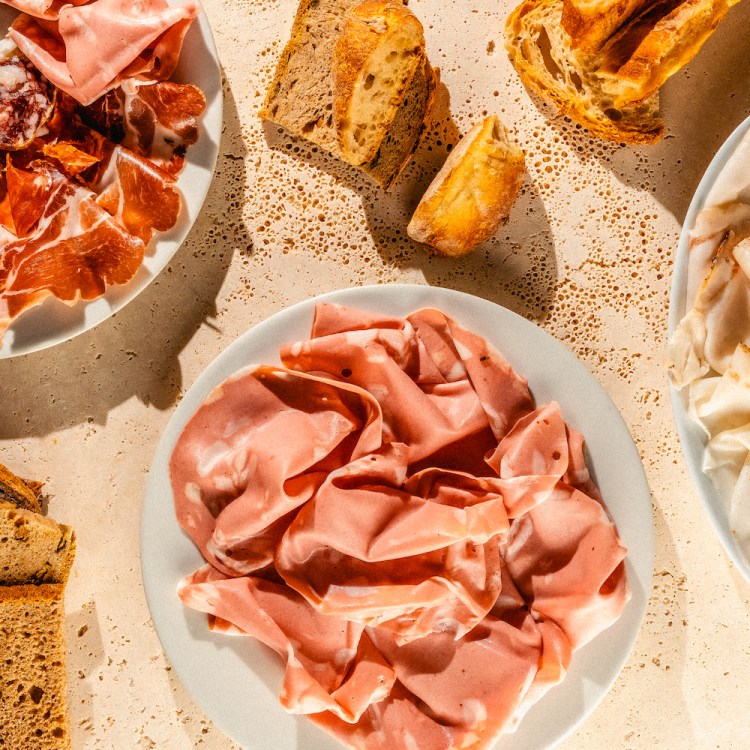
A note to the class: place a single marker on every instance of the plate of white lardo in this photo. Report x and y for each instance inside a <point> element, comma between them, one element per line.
<point>236,681</point>
<point>720,186</point>
<point>54,322</point>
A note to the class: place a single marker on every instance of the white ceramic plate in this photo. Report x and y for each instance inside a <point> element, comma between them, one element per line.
<point>236,680</point>
<point>692,437</point>
<point>53,321</point>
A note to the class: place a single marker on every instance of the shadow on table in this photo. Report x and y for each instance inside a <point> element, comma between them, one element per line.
<point>516,268</point>
<point>135,352</point>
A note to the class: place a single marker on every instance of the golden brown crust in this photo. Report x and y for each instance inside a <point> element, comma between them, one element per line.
<point>379,50</point>
<point>14,490</point>
<point>574,90</point>
<point>472,194</point>
<point>591,22</point>
<point>638,64</point>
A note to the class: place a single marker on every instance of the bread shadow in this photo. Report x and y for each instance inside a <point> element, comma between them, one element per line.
<point>516,268</point>
<point>85,654</point>
<point>135,352</point>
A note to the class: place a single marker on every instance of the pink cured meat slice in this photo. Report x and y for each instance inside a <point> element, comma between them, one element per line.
<point>431,395</point>
<point>567,561</point>
<point>331,665</point>
<point>255,452</point>
<point>89,49</point>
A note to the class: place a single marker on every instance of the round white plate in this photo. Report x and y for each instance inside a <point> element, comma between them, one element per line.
<point>236,680</point>
<point>692,437</point>
<point>53,322</point>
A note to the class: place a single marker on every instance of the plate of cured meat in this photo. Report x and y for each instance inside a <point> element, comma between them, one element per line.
<point>709,325</point>
<point>109,129</point>
<point>397,516</point>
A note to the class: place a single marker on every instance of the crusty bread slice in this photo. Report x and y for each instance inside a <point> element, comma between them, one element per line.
<point>542,53</point>
<point>643,53</point>
<point>591,22</point>
<point>33,680</point>
<point>34,549</point>
<point>473,193</point>
<point>602,62</point>
<point>16,491</point>
<point>379,50</point>
<point>300,97</point>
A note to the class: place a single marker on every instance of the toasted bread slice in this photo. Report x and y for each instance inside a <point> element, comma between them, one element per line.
<point>18,492</point>
<point>33,680</point>
<point>301,99</point>
<point>34,549</point>
<point>472,194</point>
<point>543,55</point>
<point>379,50</point>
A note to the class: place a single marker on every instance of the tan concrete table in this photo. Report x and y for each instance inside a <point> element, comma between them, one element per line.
<point>587,255</point>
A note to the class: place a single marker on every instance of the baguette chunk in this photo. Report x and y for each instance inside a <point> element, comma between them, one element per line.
<point>472,194</point>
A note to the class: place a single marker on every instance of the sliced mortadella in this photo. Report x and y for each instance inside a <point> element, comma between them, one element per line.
<point>367,550</point>
<point>331,665</point>
<point>396,722</point>
<point>90,49</point>
<point>385,362</point>
<point>566,559</point>
<point>255,451</point>
<point>502,392</point>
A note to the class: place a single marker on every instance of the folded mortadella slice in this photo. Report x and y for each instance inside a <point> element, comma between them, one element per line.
<point>435,382</point>
<point>331,664</point>
<point>566,559</point>
<point>367,548</point>
<point>92,48</point>
<point>255,451</point>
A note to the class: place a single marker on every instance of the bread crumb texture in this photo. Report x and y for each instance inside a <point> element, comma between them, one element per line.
<point>33,697</point>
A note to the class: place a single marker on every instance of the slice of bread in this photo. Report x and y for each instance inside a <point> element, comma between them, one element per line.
<point>33,683</point>
<point>602,62</point>
<point>543,54</point>
<point>645,51</point>
<point>16,491</point>
<point>34,549</point>
<point>472,194</point>
<point>379,50</point>
<point>301,95</point>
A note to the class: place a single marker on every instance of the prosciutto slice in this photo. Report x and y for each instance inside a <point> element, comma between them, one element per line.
<point>71,247</point>
<point>87,49</point>
<point>157,121</point>
<point>421,544</point>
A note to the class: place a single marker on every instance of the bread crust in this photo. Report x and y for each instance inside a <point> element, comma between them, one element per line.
<point>591,22</point>
<point>369,32</point>
<point>575,92</point>
<point>472,194</point>
<point>14,490</point>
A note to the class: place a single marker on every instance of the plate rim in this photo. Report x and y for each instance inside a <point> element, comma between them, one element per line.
<point>118,296</point>
<point>692,438</point>
<point>640,571</point>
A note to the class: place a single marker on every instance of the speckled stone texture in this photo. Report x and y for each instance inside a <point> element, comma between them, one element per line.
<point>587,254</point>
